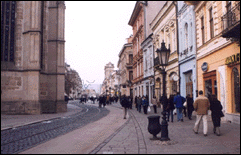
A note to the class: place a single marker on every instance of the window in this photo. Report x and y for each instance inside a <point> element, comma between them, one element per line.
<point>210,83</point>
<point>202,29</point>
<point>7,30</point>
<point>211,22</point>
<point>130,75</point>
<point>130,59</point>
<point>186,36</point>
<point>236,90</point>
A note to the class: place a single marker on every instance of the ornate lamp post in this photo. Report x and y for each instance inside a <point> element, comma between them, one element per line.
<point>163,55</point>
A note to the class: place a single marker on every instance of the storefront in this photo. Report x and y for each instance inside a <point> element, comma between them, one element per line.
<point>219,73</point>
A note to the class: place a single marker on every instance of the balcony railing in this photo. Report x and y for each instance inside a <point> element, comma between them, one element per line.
<point>231,22</point>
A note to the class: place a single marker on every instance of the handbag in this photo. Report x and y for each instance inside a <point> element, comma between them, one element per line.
<point>185,104</point>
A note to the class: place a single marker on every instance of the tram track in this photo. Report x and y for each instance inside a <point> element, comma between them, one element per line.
<point>18,139</point>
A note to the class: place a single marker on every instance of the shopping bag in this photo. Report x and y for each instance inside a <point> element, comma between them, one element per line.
<point>149,109</point>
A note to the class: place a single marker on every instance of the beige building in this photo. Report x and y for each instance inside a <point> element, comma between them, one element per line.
<point>164,29</point>
<point>125,68</point>
<point>218,53</point>
<point>32,57</point>
<point>109,85</point>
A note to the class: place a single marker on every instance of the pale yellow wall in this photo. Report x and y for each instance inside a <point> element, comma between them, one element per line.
<point>215,60</point>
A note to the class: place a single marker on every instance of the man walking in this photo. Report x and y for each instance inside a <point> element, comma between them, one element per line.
<point>201,106</point>
<point>179,100</point>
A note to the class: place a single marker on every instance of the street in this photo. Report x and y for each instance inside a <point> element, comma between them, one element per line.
<point>18,139</point>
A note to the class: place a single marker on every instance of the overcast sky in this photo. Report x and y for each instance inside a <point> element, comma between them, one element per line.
<point>95,32</point>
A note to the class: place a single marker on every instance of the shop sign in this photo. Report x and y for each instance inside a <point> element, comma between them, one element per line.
<point>232,59</point>
<point>204,66</point>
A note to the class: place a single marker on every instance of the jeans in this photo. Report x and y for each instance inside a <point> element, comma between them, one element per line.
<point>179,114</point>
<point>139,107</point>
<point>168,115</point>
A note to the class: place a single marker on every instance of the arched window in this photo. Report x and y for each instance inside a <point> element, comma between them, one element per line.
<point>236,90</point>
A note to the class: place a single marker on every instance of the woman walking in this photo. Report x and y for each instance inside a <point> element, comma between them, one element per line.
<point>190,107</point>
<point>154,102</point>
<point>216,109</point>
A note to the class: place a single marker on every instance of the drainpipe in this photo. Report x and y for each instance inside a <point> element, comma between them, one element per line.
<point>179,81</point>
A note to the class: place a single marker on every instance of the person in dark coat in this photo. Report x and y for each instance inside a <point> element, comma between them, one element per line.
<point>190,108</point>
<point>164,102</point>
<point>216,113</point>
<point>125,104</point>
<point>170,108</point>
<point>145,104</point>
<point>136,103</point>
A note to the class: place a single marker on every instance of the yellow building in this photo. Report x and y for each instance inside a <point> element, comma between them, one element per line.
<point>218,53</point>
<point>164,29</point>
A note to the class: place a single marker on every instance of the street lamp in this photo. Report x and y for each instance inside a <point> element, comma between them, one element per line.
<point>163,55</point>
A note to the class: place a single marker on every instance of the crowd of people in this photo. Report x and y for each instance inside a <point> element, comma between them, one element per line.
<point>184,108</point>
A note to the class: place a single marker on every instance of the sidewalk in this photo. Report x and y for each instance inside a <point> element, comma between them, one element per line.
<point>182,138</point>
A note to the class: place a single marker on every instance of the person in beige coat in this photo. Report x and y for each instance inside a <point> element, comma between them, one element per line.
<point>154,102</point>
<point>201,106</point>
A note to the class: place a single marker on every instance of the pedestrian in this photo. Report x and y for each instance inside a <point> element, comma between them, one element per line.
<point>170,108</point>
<point>216,114</point>
<point>145,104</point>
<point>201,106</point>
<point>125,104</point>
<point>139,103</point>
<point>154,102</point>
<point>136,102</point>
<point>100,101</point>
<point>164,102</point>
<point>190,108</point>
<point>178,101</point>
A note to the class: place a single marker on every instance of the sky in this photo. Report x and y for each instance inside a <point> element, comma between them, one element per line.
<point>95,32</point>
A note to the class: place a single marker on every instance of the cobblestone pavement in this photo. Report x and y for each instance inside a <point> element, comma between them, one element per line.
<point>18,139</point>
<point>134,138</point>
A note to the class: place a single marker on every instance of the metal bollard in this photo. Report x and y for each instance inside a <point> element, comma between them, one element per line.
<point>164,128</point>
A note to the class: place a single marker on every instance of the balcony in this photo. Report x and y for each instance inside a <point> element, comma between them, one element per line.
<point>129,65</point>
<point>231,23</point>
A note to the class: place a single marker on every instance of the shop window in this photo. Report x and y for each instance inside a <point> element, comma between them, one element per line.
<point>189,84</point>
<point>210,83</point>
<point>236,90</point>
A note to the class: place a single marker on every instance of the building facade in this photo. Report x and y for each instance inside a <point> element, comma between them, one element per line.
<point>165,29</point>
<point>137,23</point>
<point>218,53</point>
<point>151,8</point>
<point>32,57</point>
<point>187,49</point>
<point>125,68</point>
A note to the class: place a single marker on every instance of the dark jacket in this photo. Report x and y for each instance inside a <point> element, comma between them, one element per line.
<point>216,108</point>
<point>170,105</point>
<point>190,104</point>
<point>124,102</point>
